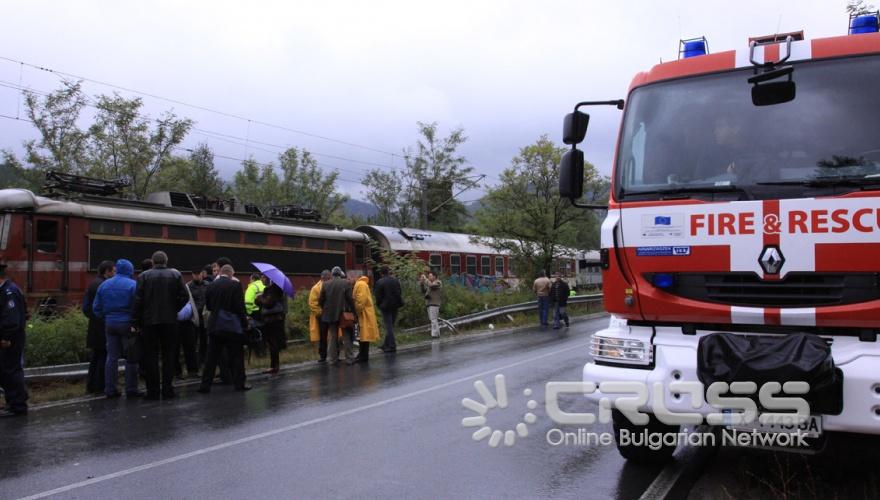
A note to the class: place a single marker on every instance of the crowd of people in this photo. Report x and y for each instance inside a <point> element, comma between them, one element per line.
<point>211,318</point>
<point>150,320</point>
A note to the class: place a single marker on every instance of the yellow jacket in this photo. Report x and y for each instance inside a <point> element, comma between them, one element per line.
<point>366,312</point>
<point>315,308</point>
<point>254,288</point>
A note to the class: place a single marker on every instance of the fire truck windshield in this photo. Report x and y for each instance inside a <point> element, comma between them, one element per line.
<point>702,136</point>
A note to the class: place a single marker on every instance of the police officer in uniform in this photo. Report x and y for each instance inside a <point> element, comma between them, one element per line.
<point>13,318</point>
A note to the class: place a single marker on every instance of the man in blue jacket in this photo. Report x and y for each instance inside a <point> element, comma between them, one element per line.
<point>113,303</point>
<point>13,318</point>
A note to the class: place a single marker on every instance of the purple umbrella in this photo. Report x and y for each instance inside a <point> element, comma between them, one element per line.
<point>276,276</point>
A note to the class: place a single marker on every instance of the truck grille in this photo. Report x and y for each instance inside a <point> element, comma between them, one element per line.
<point>796,290</point>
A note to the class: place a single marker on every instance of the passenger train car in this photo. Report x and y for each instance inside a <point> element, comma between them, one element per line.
<point>457,255</point>
<point>52,247</point>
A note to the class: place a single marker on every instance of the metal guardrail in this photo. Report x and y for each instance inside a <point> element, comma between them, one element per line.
<point>80,369</point>
<point>499,311</point>
<point>60,371</point>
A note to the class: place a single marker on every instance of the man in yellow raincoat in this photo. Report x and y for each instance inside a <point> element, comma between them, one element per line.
<point>366,313</point>
<point>315,317</point>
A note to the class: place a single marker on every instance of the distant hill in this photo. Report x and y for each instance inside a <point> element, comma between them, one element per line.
<point>473,206</point>
<point>361,208</point>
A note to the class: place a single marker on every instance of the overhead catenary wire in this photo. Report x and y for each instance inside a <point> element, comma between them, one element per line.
<point>200,107</point>
<point>232,158</point>
<point>248,141</point>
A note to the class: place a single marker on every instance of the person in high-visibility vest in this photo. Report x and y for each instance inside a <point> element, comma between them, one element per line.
<point>254,288</point>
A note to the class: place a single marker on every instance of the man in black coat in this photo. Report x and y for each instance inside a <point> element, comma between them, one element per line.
<point>96,340</point>
<point>389,299</point>
<point>335,298</point>
<point>13,319</point>
<point>559,291</point>
<point>227,321</point>
<point>159,296</point>
<point>197,287</point>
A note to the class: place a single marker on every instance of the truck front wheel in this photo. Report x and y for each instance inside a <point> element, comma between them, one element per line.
<point>643,443</point>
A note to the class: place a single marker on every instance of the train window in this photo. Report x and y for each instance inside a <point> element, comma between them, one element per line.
<point>225,236</point>
<point>106,227</point>
<point>471,264</point>
<point>435,263</point>
<point>499,266</point>
<point>182,233</point>
<point>359,254</point>
<point>315,244</point>
<point>47,236</point>
<point>5,223</point>
<point>336,245</point>
<point>256,238</point>
<point>292,241</point>
<point>147,230</point>
<point>510,267</point>
<point>564,267</point>
<point>455,264</point>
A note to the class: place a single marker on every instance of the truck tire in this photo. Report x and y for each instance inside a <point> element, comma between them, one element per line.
<point>643,453</point>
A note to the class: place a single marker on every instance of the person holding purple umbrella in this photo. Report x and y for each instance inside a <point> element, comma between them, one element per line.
<point>273,311</point>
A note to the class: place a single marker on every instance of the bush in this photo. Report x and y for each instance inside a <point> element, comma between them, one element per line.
<point>458,300</point>
<point>297,320</point>
<point>57,340</point>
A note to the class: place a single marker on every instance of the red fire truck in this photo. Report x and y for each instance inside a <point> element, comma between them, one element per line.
<point>742,241</point>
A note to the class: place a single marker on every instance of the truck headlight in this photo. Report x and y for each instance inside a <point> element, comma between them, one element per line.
<point>620,350</point>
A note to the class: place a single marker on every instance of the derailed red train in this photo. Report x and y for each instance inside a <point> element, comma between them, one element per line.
<point>53,246</point>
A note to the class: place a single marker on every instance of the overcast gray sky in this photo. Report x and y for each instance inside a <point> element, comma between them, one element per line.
<point>365,72</point>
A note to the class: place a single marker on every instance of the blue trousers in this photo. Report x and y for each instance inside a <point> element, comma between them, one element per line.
<point>116,335</point>
<point>543,309</point>
<point>559,315</point>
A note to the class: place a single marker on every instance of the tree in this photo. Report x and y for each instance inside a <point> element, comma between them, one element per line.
<point>525,215</point>
<point>434,171</point>
<point>304,183</point>
<point>859,7</point>
<point>194,174</point>
<point>126,146</point>
<point>204,179</point>
<point>62,145</point>
<point>257,184</point>
<point>383,190</point>
<point>14,175</point>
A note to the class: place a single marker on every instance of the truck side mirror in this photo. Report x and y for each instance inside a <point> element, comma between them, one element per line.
<point>766,92</point>
<point>571,173</point>
<point>574,127</point>
<point>771,93</point>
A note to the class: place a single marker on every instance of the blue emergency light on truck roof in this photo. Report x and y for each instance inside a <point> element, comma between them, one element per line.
<point>693,47</point>
<point>864,24</point>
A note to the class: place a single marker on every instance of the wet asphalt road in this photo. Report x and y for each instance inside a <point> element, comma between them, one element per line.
<point>392,429</point>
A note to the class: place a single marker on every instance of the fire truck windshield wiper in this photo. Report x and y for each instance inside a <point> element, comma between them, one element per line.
<point>688,190</point>
<point>830,181</point>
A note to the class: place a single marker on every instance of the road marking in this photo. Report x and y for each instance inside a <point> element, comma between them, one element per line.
<point>689,458</point>
<point>248,439</point>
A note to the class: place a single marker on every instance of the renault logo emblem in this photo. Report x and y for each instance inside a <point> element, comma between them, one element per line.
<point>771,260</point>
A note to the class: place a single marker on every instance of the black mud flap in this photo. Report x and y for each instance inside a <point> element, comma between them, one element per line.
<point>727,357</point>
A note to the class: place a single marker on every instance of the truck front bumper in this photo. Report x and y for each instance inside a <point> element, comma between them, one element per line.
<point>675,359</point>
